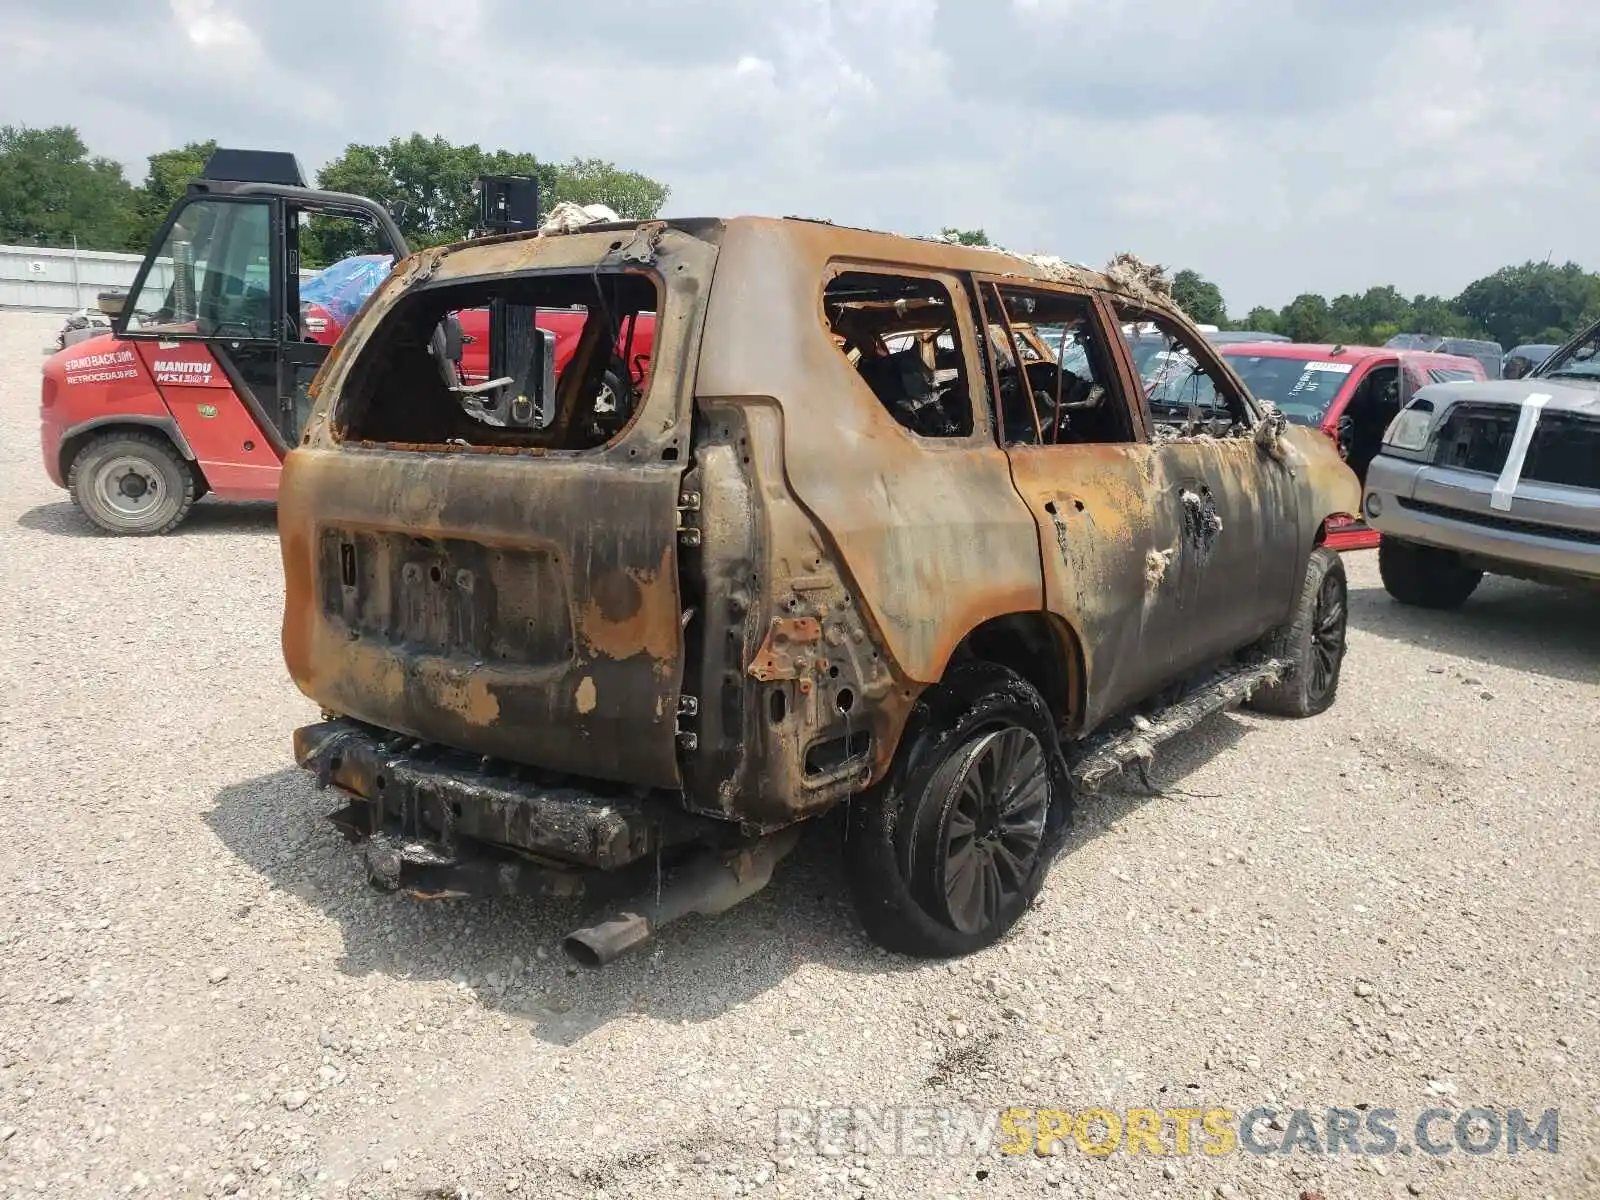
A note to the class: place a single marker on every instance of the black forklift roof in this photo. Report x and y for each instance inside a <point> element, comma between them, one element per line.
<point>254,166</point>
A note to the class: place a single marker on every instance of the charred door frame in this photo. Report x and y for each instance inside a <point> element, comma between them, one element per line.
<point>1091,510</point>
<point>1230,509</point>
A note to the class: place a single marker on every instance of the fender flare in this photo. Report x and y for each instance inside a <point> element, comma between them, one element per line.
<point>165,424</point>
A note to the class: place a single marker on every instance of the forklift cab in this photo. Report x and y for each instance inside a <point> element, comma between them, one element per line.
<point>224,270</point>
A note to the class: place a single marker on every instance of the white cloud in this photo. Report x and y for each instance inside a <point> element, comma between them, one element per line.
<point>1322,145</point>
<point>210,28</point>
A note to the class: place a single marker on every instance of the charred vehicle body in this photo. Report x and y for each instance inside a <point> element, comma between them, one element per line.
<point>1500,477</point>
<point>887,521</point>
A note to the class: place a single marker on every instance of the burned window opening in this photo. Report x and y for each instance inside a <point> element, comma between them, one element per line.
<point>553,360</point>
<point>1053,370</point>
<point>901,335</point>
<point>1183,396</point>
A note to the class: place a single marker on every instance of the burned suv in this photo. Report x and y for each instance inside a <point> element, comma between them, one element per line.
<point>885,520</point>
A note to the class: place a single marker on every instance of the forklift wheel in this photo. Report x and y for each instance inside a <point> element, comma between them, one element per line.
<point>132,482</point>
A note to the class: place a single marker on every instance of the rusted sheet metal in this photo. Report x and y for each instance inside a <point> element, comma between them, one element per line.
<point>752,618</point>
<point>931,533</point>
<point>489,610</point>
<point>519,605</point>
<point>784,654</point>
<point>1325,476</point>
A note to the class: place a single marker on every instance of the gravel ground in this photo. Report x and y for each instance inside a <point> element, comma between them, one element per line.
<point>1394,905</point>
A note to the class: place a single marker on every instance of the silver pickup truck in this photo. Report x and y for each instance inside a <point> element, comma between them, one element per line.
<point>1501,477</point>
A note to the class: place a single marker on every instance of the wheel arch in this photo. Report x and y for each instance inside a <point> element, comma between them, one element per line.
<point>1040,647</point>
<point>80,435</point>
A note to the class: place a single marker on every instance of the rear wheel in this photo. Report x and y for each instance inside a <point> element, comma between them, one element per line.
<point>1424,575</point>
<point>132,482</point>
<point>950,850</point>
<point>1312,643</point>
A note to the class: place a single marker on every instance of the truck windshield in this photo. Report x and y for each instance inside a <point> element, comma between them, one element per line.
<point>212,275</point>
<point>1302,389</point>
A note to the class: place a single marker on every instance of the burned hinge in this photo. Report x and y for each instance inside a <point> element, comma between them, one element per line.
<point>688,534</point>
<point>688,707</point>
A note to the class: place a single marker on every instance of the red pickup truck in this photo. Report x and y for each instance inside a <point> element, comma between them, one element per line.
<point>1351,393</point>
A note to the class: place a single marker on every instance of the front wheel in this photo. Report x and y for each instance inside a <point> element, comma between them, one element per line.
<point>1312,642</point>
<point>1425,576</point>
<point>949,851</point>
<point>132,482</point>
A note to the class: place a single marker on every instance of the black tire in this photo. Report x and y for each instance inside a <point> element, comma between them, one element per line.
<point>132,482</point>
<point>948,852</point>
<point>1313,642</point>
<point>1425,576</point>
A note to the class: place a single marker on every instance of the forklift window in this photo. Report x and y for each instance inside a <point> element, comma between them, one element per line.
<point>212,275</point>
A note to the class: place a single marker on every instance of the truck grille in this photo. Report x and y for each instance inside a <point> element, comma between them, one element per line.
<point>1565,448</point>
<point>1496,521</point>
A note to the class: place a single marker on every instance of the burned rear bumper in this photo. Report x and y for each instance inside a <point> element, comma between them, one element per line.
<point>436,806</point>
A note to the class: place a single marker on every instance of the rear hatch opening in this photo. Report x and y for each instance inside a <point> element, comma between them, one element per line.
<point>544,361</point>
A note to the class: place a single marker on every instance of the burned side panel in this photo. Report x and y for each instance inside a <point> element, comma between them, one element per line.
<point>1093,509</point>
<point>798,707</point>
<point>929,535</point>
<point>1325,485</point>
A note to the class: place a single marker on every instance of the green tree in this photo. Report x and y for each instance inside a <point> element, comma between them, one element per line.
<point>1259,320</point>
<point>427,183</point>
<point>1517,304</point>
<point>1441,318</point>
<point>632,196</point>
<point>52,191</point>
<point>166,179</point>
<point>1306,319</point>
<point>1199,297</point>
<point>965,237</point>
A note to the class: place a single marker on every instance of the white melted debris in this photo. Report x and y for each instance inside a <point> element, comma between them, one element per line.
<point>568,217</point>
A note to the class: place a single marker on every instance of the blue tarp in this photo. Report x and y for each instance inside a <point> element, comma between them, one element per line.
<point>345,286</point>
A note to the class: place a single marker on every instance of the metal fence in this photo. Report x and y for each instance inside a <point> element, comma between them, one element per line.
<point>63,281</point>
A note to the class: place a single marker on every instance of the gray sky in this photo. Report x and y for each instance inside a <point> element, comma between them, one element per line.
<point>1277,146</point>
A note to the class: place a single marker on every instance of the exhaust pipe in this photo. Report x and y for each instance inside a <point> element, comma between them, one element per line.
<point>709,884</point>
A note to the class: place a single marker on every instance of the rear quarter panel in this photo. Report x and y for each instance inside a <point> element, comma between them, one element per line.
<point>931,532</point>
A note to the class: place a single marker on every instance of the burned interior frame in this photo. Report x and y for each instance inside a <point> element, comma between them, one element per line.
<point>1189,394</point>
<point>1044,399</point>
<point>405,387</point>
<point>901,333</point>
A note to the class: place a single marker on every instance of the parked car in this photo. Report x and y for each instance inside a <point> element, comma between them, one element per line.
<point>1351,393</point>
<point>1489,354</point>
<point>1520,360</point>
<point>1500,477</point>
<point>838,550</point>
<point>1229,337</point>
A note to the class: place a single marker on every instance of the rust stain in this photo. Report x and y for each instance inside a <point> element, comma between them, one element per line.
<point>780,656</point>
<point>586,695</point>
<point>647,624</point>
<point>469,698</point>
